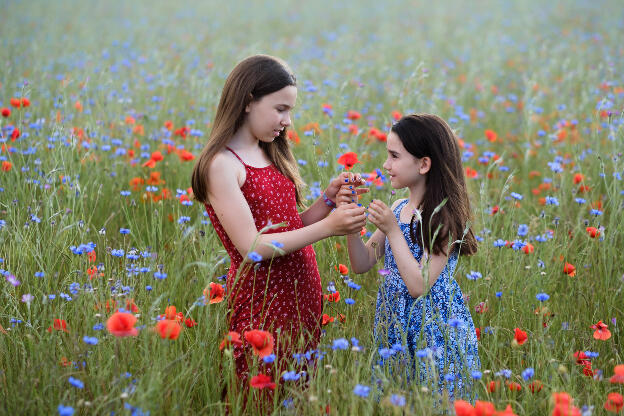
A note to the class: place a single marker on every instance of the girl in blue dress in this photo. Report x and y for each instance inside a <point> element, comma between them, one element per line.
<point>422,325</point>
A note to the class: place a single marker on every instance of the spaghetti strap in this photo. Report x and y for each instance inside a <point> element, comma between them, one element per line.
<point>237,156</point>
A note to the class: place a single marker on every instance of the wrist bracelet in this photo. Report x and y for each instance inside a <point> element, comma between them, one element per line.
<point>328,201</point>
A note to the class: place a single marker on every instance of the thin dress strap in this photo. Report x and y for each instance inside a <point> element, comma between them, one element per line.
<point>237,156</point>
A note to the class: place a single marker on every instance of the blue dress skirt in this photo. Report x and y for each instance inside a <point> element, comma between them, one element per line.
<point>430,339</point>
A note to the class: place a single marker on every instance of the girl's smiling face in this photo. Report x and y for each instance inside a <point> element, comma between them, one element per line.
<point>404,169</point>
<point>270,115</point>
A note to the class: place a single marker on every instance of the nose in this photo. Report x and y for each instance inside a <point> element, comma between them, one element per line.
<point>386,165</point>
<point>286,120</point>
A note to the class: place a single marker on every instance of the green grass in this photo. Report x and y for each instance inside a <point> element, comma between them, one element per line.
<point>522,69</point>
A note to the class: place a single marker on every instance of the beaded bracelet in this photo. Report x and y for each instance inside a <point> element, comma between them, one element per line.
<point>328,201</point>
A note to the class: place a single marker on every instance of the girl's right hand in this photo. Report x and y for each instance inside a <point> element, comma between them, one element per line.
<point>349,194</point>
<point>347,219</point>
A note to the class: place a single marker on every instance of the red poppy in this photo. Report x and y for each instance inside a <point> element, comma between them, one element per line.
<point>232,338</point>
<point>528,248</point>
<point>463,408</point>
<point>149,164</point>
<point>578,178</point>
<point>569,269</point>
<point>478,332</point>
<point>190,323</point>
<point>15,102</point>
<point>378,134</point>
<point>520,336</point>
<point>614,402</point>
<point>168,329</point>
<point>491,135</point>
<point>601,331</point>
<point>593,232</point>
<point>78,106</point>
<point>168,124</point>
<point>492,386</point>
<point>293,136</point>
<point>5,112</point>
<point>214,292</point>
<point>513,386</point>
<point>565,410</point>
<point>185,155</point>
<point>262,381</point>
<point>353,129</point>
<point>471,173</point>
<point>618,376</point>
<point>562,398</point>
<point>583,189</point>
<point>156,156</point>
<point>353,115</point>
<point>58,325</point>
<point>495,210</point>
<point>261,341</point>
<point>343,269</point>
<point>396,115</point>
<point>6,166</point>
<point>348,160</point>
<point>483,408</point>
<point>332,297</point>
<point>507,412</point>
<point>327,319</point>
<point>536,386</point>
<point>25,102</point>
<point>15,135</point>
<point>122,325</point>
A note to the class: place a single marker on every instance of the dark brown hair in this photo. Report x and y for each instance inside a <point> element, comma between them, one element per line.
<point>250,80</point>
<point>428,135</point>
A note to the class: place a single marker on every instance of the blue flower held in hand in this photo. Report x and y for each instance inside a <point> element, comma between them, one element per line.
<point>255,257</point>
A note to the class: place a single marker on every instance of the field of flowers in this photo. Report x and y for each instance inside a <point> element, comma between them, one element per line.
<point>105,106</point>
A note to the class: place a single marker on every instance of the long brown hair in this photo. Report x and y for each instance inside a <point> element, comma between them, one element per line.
<point>250,80</point>
<point>428,135</point>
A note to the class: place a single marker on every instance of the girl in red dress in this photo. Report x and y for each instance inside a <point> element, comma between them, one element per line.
<point>248,179</point>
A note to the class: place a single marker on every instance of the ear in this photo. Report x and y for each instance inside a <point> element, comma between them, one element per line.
<point>425,165</point>
<point>248,106</point>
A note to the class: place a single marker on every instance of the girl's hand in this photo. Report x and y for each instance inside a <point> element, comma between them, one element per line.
<point>349,194</point>
<point>345,178</point>
<point>382,216</point>
<point>347,219</point>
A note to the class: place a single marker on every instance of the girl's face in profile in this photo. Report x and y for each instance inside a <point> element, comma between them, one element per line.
<point>403,168</point>
<point>268,116</point>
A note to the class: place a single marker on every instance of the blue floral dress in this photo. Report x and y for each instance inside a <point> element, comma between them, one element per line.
<point>431,338</point>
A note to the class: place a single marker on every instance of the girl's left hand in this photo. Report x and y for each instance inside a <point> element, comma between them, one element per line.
<point>345,178</point>
<point>383,218</point>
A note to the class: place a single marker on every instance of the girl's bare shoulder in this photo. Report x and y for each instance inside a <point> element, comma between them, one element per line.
<point>226,165</point>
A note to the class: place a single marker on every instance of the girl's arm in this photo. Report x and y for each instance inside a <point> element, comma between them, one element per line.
<point>235,216</point>
<point>364,256</point>
<point>319,209</point>
<point>410,269</point>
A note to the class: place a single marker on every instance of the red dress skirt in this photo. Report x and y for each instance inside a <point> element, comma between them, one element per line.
<point>282,295</point>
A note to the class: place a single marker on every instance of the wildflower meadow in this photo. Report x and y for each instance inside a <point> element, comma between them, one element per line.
<point>112,296</point>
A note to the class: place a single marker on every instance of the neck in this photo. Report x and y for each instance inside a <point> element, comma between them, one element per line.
<point>416,195</point>
<point>243,139</point>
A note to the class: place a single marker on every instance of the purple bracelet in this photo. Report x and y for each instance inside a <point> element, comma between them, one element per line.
<point>328,201</point>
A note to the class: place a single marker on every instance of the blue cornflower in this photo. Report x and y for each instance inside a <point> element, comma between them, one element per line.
<point>516,195</point>
<point>397,347</point>
<point>291,376</point>
<point>397,400</point>
<point>386,353</point>
<point>595,212</point>
<point>90,340</point>
<point>183,219</point>
<point>65,410</point>
<point>476,375</point>
<point>499,294</point>
<point>473,275</point>
<point>580,201</point>
<point>500,243</point>
<point>504,372</point>
<point>124,193</point>
<point>39,274</point>
<point>269,358</point>
<point>361,390</point>
<point>353,285</point>
<point>160,275</point>
<point>124,231</point>
<point>551,200</point>
<point>340,344</point>
<point>117,253</point>
<point>98,327</point>
<point>455,323</point>
<point>528,373</point>
<point>76,383</point>
<point>277,244</point>
<point>542,297</point>
<point>255,257</point>
<point>349,301</point>
<point>523,230</point>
